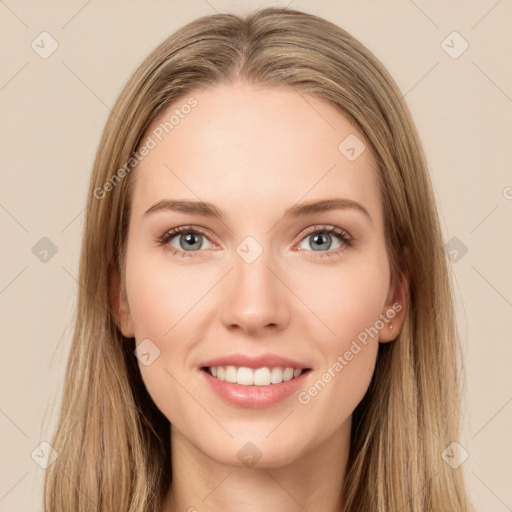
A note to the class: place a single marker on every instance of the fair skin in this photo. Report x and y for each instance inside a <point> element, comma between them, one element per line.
<point>254,153</point>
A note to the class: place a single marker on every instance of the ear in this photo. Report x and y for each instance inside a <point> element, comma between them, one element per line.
<point>119,307</point>
<point>394,311</point>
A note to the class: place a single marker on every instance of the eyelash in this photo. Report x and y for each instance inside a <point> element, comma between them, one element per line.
<point>345,238</point>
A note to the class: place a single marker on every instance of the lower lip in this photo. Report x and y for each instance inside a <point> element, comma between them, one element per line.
<point>254,396</point>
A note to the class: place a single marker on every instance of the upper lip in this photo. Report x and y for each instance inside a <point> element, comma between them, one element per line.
<point>269,360</point>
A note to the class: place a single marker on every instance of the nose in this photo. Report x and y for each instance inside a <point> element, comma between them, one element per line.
<point>255,299</point>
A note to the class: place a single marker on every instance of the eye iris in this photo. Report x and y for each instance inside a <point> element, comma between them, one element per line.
<point>191,241</point>
<point>322,238</point>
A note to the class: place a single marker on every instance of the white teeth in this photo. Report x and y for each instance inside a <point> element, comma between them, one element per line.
<point>288,374</point>
<point>230,375</point>
<point>261,377</point>
<point>276,376</point>
<point>258,377</point>
<point>245,376</point>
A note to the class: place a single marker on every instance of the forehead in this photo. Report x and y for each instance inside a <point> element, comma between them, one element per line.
<point>249,147</point>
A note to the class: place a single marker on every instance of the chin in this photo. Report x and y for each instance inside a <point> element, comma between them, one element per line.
<point>254,451</point>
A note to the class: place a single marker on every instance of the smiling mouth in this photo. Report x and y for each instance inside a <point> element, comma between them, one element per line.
<point>265,376</point>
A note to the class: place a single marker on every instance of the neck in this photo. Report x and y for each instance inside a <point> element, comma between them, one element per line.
<point>312,481</point>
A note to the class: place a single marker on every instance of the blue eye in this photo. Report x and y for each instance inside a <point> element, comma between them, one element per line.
<point>320,238</point>
<point>188,238</point>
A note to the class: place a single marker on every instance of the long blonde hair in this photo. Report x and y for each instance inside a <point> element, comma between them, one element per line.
<point>112,442</point>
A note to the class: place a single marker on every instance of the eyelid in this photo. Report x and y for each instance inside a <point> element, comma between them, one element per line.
<point>329,228</point>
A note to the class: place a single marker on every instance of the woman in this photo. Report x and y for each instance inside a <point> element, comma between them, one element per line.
<point>222,359</point>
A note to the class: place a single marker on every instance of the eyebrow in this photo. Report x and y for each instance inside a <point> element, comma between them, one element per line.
<point>299,210</point>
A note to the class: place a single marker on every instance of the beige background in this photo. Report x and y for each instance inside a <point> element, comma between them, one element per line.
<point>53,112</point>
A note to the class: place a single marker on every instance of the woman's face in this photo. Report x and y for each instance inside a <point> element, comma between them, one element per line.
<point>256,282</point>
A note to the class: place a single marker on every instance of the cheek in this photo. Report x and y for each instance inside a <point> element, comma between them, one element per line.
<point>348,300</point>
<point>160,294</point>
<point>348,355</point>
<point>162,298</point>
